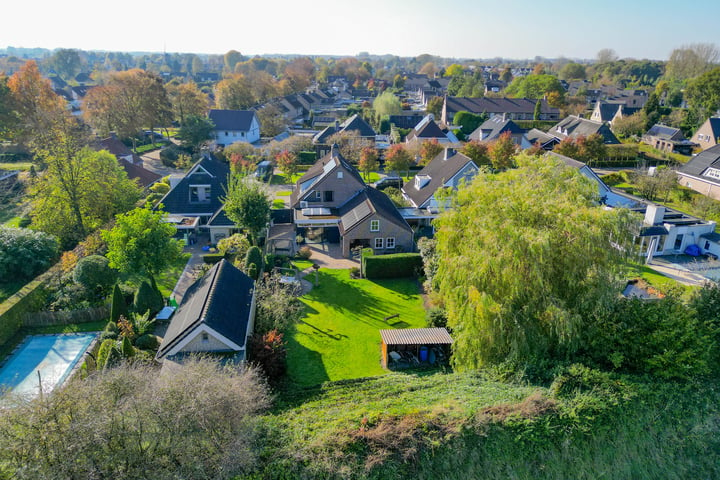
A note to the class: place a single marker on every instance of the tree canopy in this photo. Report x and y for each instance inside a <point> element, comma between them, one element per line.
<point>141,242</point>
<point>521,256</point>
<point>247,204</point>
<point>534,86</point>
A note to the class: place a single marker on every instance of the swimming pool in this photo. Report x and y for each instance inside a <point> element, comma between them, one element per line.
<point>54,356</point>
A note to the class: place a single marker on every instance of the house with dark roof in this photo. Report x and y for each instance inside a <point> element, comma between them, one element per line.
<point>194,202</point>
<point>668,139</point>
<point>545,140</point>
<point>235,126</point>
<point>331,201</point>
<point>354,123</point>
<point>702,173</point>
<point>708,135</point>
<point>216,315</point>
<point>512,108</point>
<point>492,128</point>
<point>574,126</point>
<point>131,163</point>
<point>609,111</point>
<point>427,130</point>
<point>447,170</point>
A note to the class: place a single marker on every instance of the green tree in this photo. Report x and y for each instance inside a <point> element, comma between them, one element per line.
<point>94,273</point>
<point>79,193</point>
<point>535,86</point>
<point>147,299</point>
<point>703,93</point>
<point>7,113</point>
<point>469,121</point>
<point>435,106</point>
<point>538,110</point>
<point>247,205</point>
<point>537,253</point>
<point>66,62</point>
<point>572,71</point>
<point>195,132</point>
<point>231,59</point>
<point>25,253</point>
<point>429,149</point>
<point>187,99</point>
<point>453,70</point>
<point>386,104</point>
<point>141,242</point>
<point>287,162</point>
<point>272,121</point>
<point>253,261</point>
<point>368,161</point>
<point>689,61</point>
<point>234,93</point>
<point>118,307</point>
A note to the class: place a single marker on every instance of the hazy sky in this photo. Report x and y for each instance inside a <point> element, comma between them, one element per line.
<point>449,28</point>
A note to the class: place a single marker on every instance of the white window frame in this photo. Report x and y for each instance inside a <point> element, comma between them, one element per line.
<point>340,174</point>
<point>374,225</point>
<point>206,190</point>
<point>390,242</point>
<point>378,244</point>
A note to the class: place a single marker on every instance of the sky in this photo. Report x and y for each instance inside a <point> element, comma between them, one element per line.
<point>516,29</point>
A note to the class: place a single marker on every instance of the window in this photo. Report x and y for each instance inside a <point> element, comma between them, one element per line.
<point>205,337</point>
<point>678,242</point>
<point>390,242</point>
<point>378,243</point>
<point>199,193</point>
<point>340,174</point>
<point>227,134</point>
<point>375,226</point>
<point>328,195</point>
<point>707,245</point>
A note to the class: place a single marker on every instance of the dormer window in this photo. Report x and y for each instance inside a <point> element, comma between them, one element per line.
<point>199,193</point>
<point>374,225</point>
<point>421,181</point>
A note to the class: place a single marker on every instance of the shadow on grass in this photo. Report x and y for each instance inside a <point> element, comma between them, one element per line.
<point>305,366</point>
<point>407,287</point>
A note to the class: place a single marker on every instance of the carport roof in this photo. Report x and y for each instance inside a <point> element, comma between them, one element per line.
<point>416,336</point>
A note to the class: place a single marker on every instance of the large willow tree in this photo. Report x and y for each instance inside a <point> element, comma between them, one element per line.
<point>522,255</point>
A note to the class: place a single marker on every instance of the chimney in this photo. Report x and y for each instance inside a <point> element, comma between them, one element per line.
<point>337,125</point>
<point>654,214</point>
<point>504,117</point>
<point>449,152</point>
<point>334,150</point>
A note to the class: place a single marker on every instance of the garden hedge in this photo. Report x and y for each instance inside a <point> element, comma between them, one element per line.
<point>396,265</point>
<point>30,298</point>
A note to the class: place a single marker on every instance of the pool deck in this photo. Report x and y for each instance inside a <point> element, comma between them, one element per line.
<point>666,266</point>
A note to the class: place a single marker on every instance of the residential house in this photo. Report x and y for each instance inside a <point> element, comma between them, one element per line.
<point>609,111</point>
<point>574,126</point>
<point>668,139</point>
<point>428,129</point>
<point>216,315</point>
<point>545,140</point>
<point>206,77</point>
<point>195,199</point>
<point>354,123</point>
<point>512,108</point>
<point>131,163</point>
<point>494,86</point>
<point>447,170</point>
<point>331,201</point>
<point>492,129</point>
<point>708,135</point>
<point>406,119</point>
<point>664,231</point>
<point>702,172</point>
<point>235,126</point>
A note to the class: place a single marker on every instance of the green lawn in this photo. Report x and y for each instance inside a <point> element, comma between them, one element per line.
<point>302,264</point>
<point>278,203</point>
<point>339,336</point>
<point>166,281</point>
<point>284,193</point>
<point>22,166</point>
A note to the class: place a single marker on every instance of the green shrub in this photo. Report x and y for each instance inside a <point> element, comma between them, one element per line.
<point>160,188</point>
<point>170,155</point>
<point>31,298</point>
<point>306,158</point>
<point>147,342</point>
<point>436,317</point>
<point>396,265</point>
<point>213,258</point>
<point>304,253</point>
<point>146,299</point>
<point>254,257</point>
<point>105,352</point>
<point>25,253</point>
<point>127,349</point>
<point>94,274</point>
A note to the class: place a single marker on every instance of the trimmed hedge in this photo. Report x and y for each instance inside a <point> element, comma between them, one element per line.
<point>395,265</point>
<point>306,158</point>
<point>213,258</point>
<point>30,298</point>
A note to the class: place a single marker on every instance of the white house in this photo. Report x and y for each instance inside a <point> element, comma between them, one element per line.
<point>235,126</point>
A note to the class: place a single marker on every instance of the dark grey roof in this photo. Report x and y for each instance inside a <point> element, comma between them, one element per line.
<point>653,231</point>
<point>698,164</point>
<point>493,128</point>
<point>439,171</point>
<point>208,171</point>
<point>365,203</point>
<point>406,120</point>
<point>497,105</point>
<point>321,169</point>
<point>608,110</point>
<point>574,126</point>
<point>712,236</point>
<point>220,219</point>
<point>354,123</point>
<point>221,299</point>
<point>665,133</point>
<point>427,128</point>
<point>546,140</point>
<point>136,172</point>
<point>714,126</point>
<point>239,120</point>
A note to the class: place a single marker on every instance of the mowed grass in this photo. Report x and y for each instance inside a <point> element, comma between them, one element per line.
<point>339,337</point>
<point>169,277</point>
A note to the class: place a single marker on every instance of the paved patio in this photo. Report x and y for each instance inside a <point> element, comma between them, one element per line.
<point>329,255</point>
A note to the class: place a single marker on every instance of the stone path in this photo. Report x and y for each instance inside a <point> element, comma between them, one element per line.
<point>671,271</point>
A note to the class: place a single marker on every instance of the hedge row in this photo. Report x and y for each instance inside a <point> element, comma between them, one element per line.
<point>30,298</point>
<point>395,265</point>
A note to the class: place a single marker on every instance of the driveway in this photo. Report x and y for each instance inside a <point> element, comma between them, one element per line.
<point>151,161</point>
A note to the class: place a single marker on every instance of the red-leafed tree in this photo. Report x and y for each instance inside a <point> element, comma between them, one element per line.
<point>429,150</point>
<point>397,159</point>
<point>268,351</point>
<point>503,151</point>
<point>287,162</point>
<point>368,161</point>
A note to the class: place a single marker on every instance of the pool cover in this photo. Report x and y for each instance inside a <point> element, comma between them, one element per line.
<point>54,356</point>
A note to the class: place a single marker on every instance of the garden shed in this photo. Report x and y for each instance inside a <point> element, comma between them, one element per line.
<point>414,346</point>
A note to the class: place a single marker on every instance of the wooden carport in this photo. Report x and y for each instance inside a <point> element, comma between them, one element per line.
<point>412,339</point>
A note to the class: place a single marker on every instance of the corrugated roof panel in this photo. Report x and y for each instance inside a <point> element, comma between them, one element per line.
<point>416,336</point>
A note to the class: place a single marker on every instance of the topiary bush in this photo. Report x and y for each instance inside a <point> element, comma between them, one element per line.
<point>95,275</point>
<point>254,257</point>
<point>146,299</point>
<point>147,342</point>
<point>105,352</point>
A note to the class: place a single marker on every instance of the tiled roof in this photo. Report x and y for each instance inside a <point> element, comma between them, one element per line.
<point>136,172</point>
<point>365,203</point>
<point>221,299</point>
<point>574,126</point>
<point>354,123</point>
<point>439,171</point>
<point>239,120</point>
<point>416,336</point>
<point>698,164</point>
<point>321,169</point>
<point>497,105</point>
<point>493,128</point>
<point>208,171</point>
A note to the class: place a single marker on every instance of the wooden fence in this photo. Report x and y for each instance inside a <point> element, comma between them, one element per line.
<point>68,317</point>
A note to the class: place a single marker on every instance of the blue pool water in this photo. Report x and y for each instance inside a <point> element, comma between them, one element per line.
<point>54,356</point>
